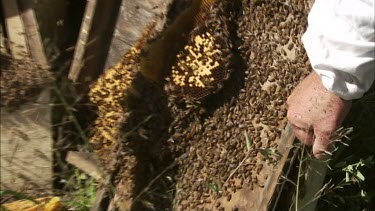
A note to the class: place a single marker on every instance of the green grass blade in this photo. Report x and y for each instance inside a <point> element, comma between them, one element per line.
<point>248,142</point>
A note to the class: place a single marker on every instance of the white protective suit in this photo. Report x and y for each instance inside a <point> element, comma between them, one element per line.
<point>340,44</point>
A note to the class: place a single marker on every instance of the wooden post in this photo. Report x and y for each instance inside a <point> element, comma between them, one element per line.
<point>32,33</point>
<point>286,142</point>
<point>315,176</point>
<point>94,40</point>
<point>134,17</point>
<point>26,147</point>
<point>15,29</point>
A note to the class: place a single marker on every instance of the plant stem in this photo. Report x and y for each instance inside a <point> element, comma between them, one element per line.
<point>70,113</point>
<point>299,175</point>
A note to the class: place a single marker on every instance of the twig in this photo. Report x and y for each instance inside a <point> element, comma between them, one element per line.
<point>236,169</point>
<point>298,176</point>
<point>286,179</point>
<point>157,177</point>
<point>70,113</point>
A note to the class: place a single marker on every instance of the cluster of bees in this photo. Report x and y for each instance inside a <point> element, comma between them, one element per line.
<point>274,62</point>
<point>110,93</point>
<point>21,80</point>
<point>240,64</point>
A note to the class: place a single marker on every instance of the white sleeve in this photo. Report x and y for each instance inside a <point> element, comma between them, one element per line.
<point>340,44</point>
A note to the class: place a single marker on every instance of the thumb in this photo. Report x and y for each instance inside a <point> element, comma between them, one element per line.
<point>322,146</point>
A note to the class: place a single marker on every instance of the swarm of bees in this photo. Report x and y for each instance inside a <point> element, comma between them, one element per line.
<point>21,80</point>
<point>275,61</point>
<point>234,75</point>
<point>109,93</point>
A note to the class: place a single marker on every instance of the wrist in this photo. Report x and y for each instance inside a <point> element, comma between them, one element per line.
<point>340,84</point>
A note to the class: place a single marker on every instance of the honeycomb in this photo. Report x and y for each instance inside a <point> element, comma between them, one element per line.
<point>160,54</point>
<point>109,95</point>
<point>204,63</point>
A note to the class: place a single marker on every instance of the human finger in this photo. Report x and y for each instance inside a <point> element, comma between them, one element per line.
<point>322,146</point>
<point>305,135</point>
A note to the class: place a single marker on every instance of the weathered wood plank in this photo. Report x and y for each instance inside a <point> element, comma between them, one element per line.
<point>78,62</point>
<point>256,197</point>
<point>26,146</point>
<point>134,17</point>
<point>86,163</point>
<point>94,39</point>
<point>314,182</point>
<point>274,173</point>
<point>32,33</point>
<point>3,44</point>
<point>15,29</point>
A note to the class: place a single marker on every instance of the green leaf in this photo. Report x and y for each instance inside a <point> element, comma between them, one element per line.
<point>82,176</point>
<point>248,142</point>
<point>276,153</point>
<point>360,176</point>
<point>212,187</point>
<point>363,193</point>
<point>347,177</point>
<point>218,186</point>
<point>264,152</point>
<point>348,168</point>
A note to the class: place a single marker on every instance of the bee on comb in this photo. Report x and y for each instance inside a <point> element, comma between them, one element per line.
<point>109,94</point>
<point>204,63</point>
<point>159,54</point>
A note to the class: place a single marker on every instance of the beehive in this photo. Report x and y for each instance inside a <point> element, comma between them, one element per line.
<point>242,78</point>
<point>269,35</point>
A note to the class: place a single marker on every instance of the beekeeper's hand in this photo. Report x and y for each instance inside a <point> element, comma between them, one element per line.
<point>315,113</point>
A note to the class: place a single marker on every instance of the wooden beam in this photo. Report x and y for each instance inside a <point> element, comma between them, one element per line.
<point>3,44</point>
<point>315,175</point>
<point>86,163</point>
<point>15,29</point>
<point>31,28</point>
<point>274,173</point>
<point>78,59</point>
<point>134,17</point>
<point>94,40</point>
<point>26,147</point>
